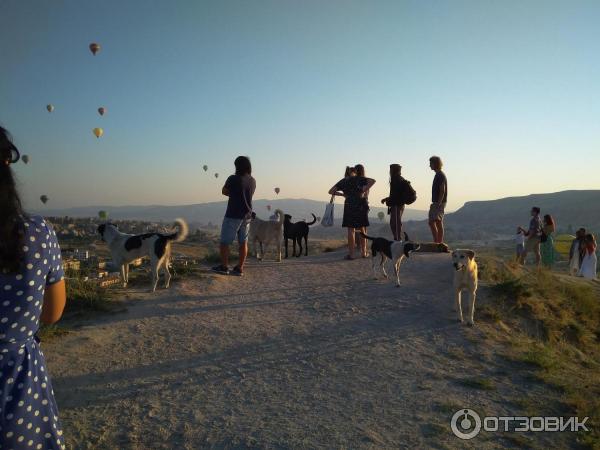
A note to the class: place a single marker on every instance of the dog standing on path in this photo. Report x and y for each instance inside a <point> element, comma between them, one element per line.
<point>465,279</point>
<point>395,251</point>
<point>126,248</point>
<point>265,232</point>
<point>296,232</point>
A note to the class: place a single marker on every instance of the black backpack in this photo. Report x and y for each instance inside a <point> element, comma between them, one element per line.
<point>409,195</point>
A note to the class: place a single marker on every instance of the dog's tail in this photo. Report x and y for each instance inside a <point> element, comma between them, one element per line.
<point>181,233</point>
<point>314,220</point>
<point>366,237</point>
<point>279,214</point>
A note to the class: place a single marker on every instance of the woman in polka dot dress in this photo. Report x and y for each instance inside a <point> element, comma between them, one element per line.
<point>32,289</point>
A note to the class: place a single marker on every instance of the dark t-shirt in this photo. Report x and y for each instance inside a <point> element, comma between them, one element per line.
<point>439,181</point>
<point>241,189</point>
<point>397,189</point>
<point>352,187</point>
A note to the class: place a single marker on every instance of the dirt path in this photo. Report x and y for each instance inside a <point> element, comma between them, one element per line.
<point>309,353</point>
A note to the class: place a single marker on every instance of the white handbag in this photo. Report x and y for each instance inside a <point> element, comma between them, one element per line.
<point>327,220</point>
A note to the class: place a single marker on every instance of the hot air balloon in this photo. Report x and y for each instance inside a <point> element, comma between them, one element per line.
<point>25,159</point>
<point>101,110</point>
<point>381,215</point>
<point>103,215</point>
<point>205,167</point>
<point>44,199</point>
<point>94,48</point>
<point>50,108</point>
<point>216,175</point>
<point>268,207</point>
<point>277,190</point>
<point>98,132</point>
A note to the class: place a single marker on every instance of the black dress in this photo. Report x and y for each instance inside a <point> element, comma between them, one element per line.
<point>356,208</point>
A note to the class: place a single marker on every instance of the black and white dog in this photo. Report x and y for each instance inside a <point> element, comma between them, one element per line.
<point>395,251</point>
<point>125,248</point>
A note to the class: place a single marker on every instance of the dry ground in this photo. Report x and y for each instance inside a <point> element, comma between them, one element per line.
<point>309,353</point>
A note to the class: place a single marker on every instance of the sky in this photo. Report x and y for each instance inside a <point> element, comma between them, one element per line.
<point>506,92</point>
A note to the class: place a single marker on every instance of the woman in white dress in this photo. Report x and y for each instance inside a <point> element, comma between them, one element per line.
<point>576,252</point>
<point>590,260</point>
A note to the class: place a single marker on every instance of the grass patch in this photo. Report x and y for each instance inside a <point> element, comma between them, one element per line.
<point>47,332</point>
<point>484,384</point>
<point>86,297</point>
<point>555,329</point>
<point>431,430</point>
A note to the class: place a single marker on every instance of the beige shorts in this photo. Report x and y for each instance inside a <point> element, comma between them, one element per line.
<point>532,244</point>
<point>436,212</point>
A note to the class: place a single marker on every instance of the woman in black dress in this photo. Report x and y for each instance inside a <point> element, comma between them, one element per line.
<point>356,207</point>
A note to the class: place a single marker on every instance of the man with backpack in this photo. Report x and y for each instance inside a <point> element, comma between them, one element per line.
<point>401,194</point>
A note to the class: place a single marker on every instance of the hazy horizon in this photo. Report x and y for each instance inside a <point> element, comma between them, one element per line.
<point>506,93</point>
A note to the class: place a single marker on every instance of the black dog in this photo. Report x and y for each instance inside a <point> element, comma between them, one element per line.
<point>295,232</point>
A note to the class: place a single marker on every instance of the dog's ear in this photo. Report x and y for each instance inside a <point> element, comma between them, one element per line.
<point>406,238</point>
<point>470,254</point>
<point>253,215</point>
<point>101,228</point>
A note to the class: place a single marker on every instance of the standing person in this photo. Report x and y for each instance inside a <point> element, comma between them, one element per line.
<point>532,243</point>
<point>590,260</point>
<point>360,172</point>
<point>575,252</point>
<point>547,242</point>
<point>240,189</point>
<point>352,188</point>
<point>439,198</point>
<point>520,241</point>
<point>396,201</point>
<point>32,289</point>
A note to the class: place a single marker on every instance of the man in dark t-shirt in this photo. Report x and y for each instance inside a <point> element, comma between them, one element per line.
<point>439,197</point>
<point>240,189</point>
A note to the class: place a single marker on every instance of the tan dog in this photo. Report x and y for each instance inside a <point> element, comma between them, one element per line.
<point>265,232</point>
<point>465,279</point>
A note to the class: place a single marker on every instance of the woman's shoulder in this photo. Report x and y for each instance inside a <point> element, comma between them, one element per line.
<point>37,224</point>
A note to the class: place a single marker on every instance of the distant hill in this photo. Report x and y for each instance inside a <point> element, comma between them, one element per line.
<point>568,208</point>
<point>205,213</point>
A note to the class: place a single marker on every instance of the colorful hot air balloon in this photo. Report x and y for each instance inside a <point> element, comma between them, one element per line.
<point>98,132</point>
<point>25,159</point>
<point>102,215</point>
<point>277,190</point>
<point>381,215</point>
<point>50,108</point>
<point>94,48</point>
<point>44,199</point>
<point>268,207</point>
<point>216,175</point>
<point>101,110</point>
<point>205,167</point>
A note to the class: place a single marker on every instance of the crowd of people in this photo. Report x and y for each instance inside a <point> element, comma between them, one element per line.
<point>538,239</point>
<point>355,186</point>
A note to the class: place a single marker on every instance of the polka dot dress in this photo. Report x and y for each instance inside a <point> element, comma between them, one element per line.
<point>28,412</point>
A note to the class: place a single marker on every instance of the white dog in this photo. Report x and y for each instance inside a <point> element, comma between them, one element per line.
<point>125,248</point>
<point>395,251</point>
<point>265,232</point>
<point>465,279</point>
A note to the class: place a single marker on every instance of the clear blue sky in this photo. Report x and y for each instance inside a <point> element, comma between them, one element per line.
<point>506,92</point>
